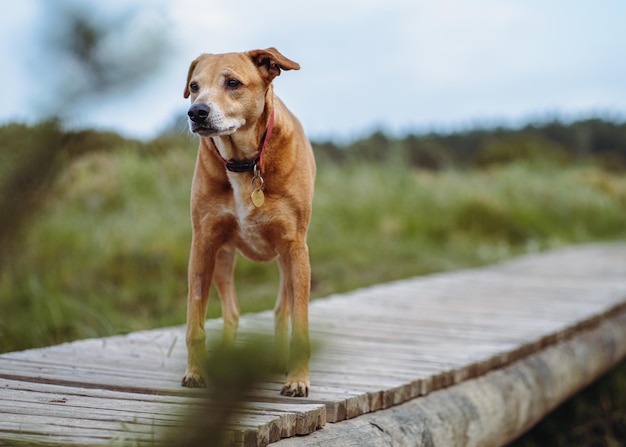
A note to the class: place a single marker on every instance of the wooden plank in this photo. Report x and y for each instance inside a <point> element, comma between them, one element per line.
<point>490,410</point>
<point>297,418</point>
<point>379,347</point>
<point>339,403</point>
<point>266,423</point>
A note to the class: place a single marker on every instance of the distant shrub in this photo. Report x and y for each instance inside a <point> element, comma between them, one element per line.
<point>488,219</point>
<point>512,148</point>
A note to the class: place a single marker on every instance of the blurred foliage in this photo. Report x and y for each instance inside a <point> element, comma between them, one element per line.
<point>31,159</point>
<point>89,53</point>
<point>85,55</point>
<point>555,143</point>
<point>233,371</point>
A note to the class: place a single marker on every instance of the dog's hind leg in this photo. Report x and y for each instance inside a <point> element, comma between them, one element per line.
<point>282,311</point>
<point>223,279</point>
<point>297,268</point>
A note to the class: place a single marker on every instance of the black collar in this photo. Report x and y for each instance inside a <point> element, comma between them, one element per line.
<point>242,166</point>
<point>248,165</point>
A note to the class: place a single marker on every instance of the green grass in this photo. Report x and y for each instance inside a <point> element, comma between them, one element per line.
<point>108,253</point>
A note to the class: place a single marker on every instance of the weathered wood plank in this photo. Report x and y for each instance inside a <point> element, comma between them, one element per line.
<point>490,410</point>
<point>379,347</point>
<point>18,399</point>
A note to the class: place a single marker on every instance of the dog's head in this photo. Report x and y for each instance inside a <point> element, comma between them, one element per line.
<point>228,90</point>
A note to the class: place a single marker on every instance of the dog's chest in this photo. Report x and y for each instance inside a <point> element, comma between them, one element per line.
<point>254,225</point>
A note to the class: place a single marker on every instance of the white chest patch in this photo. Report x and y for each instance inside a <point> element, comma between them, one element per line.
<point>251,222</point>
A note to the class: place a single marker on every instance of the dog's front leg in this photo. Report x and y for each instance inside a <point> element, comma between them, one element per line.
<point>201,268</point>
<point>297,265</point>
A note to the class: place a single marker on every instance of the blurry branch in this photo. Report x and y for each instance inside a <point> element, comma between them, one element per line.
<point>86,58</point>
<point>233,372</point>
<point>95,56</point>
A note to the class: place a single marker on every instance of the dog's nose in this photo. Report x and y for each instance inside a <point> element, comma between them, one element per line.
<point>198,113</point>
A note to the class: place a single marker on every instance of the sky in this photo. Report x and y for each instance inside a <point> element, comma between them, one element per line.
<point>395,65</point>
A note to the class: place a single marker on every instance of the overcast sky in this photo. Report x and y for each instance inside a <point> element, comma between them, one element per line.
<point>397,65</point>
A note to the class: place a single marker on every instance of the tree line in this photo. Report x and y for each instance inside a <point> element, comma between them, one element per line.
<point>591,140</point>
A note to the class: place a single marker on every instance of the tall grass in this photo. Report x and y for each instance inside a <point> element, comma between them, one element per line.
<point>420,222</point>
<point>108,253</point>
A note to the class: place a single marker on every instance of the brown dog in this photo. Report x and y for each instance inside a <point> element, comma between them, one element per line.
<point>252,191</point>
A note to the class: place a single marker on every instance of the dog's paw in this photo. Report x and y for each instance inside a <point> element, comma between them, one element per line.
<point>295,389</point>
<point>194,380</point>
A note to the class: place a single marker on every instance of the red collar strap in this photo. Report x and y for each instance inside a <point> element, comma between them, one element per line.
<point>247,165</point>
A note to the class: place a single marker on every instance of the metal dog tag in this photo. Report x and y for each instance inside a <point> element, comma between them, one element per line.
<point>258,198</point>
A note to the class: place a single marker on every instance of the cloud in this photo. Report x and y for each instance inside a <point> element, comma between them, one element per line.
<point>394,64</point>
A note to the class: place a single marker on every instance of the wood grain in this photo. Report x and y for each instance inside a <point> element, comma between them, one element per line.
<point>379,350</point>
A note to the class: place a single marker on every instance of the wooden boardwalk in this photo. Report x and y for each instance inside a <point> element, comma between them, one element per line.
<point>379,347</point>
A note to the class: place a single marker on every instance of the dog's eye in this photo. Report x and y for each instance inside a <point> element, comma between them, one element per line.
<point>193,87</point>
<point>233,84</point>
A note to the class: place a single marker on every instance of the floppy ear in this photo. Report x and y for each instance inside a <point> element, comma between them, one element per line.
<point>192,67</point>
<point>270,62</point>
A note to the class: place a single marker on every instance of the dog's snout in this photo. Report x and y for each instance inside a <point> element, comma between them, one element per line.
<point>198,113</point>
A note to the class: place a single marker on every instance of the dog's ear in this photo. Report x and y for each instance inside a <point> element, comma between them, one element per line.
<point>270,62</point>
<point>192,67</point>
